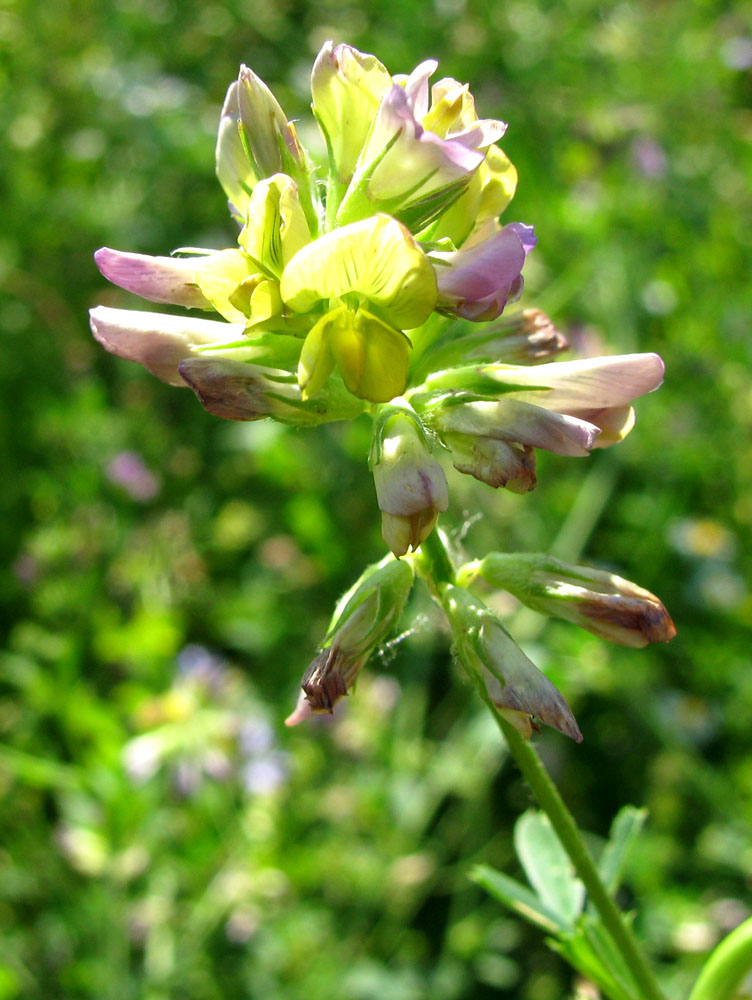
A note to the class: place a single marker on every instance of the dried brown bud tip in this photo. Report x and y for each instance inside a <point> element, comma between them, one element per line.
<point>324,683</point>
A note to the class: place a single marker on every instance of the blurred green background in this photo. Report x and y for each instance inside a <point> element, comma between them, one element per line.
<point>167,576</point>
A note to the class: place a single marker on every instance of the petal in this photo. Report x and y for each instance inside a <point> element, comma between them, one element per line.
<point>347,86</point>
<point>403,533</point>
<point>219,277</point>
<point>398,533</point>
<point>416,161</point>
<point>471,274</point>
<point>374,358</point>
<point>234,169</point>
<point>452,108</point>
<point>480,134</point>
<point>158,341</point>
<point>301,712</point>
<point>615,423</point>
<point>416,87</point>
<point>377,258</point>
<point>498,178</point>
<point>590,384</point>
<point>159,279</point>
<point>477,281</point>
<point>265,303</point>
<point>512,420</point>
<point>453,114</point>
<point>316,360</point>
<point>276,226</point>
<point>526,235</point>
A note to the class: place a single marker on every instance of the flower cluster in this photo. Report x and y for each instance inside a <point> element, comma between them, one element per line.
<point>374,281</point>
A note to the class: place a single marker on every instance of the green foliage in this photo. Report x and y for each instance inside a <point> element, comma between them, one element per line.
<point>168,576</point>
<point>556,904</point>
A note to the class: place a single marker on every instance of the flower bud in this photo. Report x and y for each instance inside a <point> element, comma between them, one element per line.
<point>567,407</point>
<point>524,337</point>
<point>497,463</point>
<point>235,390</point>
<point>601,602</point>
<point>362,620</point>
<point>234,170</point>
<point>410,484</point>
<point>271,140</point>
<point>257,141</point>
<point>514,684</point>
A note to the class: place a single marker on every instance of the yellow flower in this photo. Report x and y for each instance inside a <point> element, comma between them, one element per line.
<point>374,282</point>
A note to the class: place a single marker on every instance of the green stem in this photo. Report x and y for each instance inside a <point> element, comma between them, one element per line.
<point>437,567</point>
<point>552,804</point>
<point>724,971</point>
<point>435,563</point>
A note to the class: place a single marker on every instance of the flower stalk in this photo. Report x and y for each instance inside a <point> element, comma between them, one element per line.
<point>437,568</point>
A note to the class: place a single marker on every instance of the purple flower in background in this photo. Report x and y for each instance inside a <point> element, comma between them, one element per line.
<point>649,157</point>
<point>262,775</point>
<point>127,469</point>
<point>26,568</point>
<point>199,663</point>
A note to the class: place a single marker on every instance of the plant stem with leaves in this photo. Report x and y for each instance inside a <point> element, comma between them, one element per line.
<point>437,568</point>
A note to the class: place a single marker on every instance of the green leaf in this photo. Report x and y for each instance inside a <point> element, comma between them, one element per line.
<point>518,898</point>
<point>603,945</point>
<point>586,952</point>
<point>548,868</point>
<point>37,771</point>
<point>625,830</point>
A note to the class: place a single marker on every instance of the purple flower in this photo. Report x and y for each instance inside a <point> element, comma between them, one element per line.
<point>567,407</point>
<point>416,161</point>
<point>477,281</point>
<point>159,279</point>
<point>158,341</point>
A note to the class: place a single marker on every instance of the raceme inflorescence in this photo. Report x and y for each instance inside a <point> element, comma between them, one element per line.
<point>376,283</point>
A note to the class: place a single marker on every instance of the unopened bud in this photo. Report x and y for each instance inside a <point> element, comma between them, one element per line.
<point>362,620</point>
<point>410,484</point>
<point>525,338</point>
<point>270,138</point>
<point>514,684</point>
<point>497,463</point>
<point>601,602</point>
<point>522,338</point>
<point>235,390</point>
